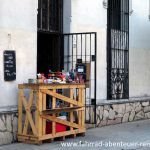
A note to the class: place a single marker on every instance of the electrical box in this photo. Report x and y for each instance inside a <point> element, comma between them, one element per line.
<point>84,69</point>
<point>81,70</point>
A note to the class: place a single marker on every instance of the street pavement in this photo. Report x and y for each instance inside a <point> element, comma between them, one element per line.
<point>127,136</point>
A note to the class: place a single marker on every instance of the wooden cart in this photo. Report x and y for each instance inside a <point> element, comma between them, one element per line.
<point>33,115</point>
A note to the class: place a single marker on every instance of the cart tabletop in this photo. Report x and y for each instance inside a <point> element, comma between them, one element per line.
<point>50,85</point>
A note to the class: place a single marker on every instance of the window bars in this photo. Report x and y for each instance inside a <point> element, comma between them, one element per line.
<point>50,15</point>
<point>118,49</point>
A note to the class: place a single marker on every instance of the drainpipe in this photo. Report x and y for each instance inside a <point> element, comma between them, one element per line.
<point>105,4</point>
<point>149,10</point>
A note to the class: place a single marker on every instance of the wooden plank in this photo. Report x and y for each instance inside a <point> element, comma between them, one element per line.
<point>50,86</point>
<point>29,141</point>
<point>63,98</point>
<point>44,108</point>
<point>46,137</point>
<point>64,122</point>
<point>39,108</point>
<point>28,136</point>
<point>60,86</point>
<point>58,110</point>
<point>65,133</point>
<point>29,116</point>
<point>37,112</point>
<point>83,111</point>
<point>79,112</point>
<point>29,108</point>
<point>54,115</point>
<point>20,111</point>
<point>28,86</point>
<point>71,105</point>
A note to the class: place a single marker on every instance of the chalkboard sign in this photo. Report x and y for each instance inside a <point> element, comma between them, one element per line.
<point>9,65</point>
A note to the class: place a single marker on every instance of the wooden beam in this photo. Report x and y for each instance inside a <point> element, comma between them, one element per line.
<point>29,108</point>
<point>59,110</point>
<point>79,112</point>
<point>65,133</point>
<point>44,108</point>
<point>37,112</point>
<point>29,116</point>
<point>63,98</point>
<point>64,122</point>
<point>83,111</point>
<point>23,136</point>
<point>20,111</point>
<point>50,86</point>
<point>54,115</point>
<point>39,102</point>
<point>71,105</point>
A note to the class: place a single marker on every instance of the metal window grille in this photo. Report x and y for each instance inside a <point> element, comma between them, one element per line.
<point>50,14</point>
<point>118,49</point>
<point>82,46</point>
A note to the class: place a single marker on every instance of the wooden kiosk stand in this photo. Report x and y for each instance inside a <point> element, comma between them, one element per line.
<point>33,117</point>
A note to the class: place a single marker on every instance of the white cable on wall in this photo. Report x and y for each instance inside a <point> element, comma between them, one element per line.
<point>105,5</point>
<point>10,46</point>
<point>130,7</point>
<point>149,10</point>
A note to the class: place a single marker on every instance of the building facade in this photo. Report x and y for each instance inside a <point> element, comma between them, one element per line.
<point>111,36</point>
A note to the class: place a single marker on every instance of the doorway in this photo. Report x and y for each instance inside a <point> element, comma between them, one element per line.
<point>49,54</point>
<point>83,47</point>
<point>50,20</point>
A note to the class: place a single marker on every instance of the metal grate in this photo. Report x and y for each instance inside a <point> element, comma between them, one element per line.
<point>82,47</point>
<point>50,14</point>
<point>118,49</point>
<point>50,29</point>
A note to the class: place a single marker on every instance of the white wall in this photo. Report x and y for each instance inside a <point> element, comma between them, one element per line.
<point>90,16</point>
<point>66,16</point>
<point>140,49</point>
<point>18,18</point>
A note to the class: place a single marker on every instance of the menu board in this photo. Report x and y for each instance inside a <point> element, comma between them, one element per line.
<point>9,65</point>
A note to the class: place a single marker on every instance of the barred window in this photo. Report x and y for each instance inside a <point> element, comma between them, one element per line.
<point>50,15</point>
<point>118,49</point>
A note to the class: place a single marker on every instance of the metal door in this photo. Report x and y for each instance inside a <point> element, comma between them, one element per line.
<point>82,46</point>
<point>118,49</point>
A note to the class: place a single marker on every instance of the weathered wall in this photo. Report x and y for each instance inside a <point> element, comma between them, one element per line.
<point>66,16</point>
<point>79,16</point>
<point>139,50</point>
<point>8,128</point>
<point>110,114</point>
<point>91,16</point>
<point>18,18</point>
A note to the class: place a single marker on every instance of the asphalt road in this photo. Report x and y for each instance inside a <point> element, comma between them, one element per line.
<point>127,136</point>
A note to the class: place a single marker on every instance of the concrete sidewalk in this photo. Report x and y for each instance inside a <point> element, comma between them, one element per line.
<point>137,133</point>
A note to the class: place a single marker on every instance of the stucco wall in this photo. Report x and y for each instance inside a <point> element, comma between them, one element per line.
<point>91,16</point>
<point>18,18</point>
<point>139,49</point>
<point>66,16</point>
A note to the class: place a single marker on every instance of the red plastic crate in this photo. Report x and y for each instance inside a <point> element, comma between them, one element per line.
<point>59,127</point>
